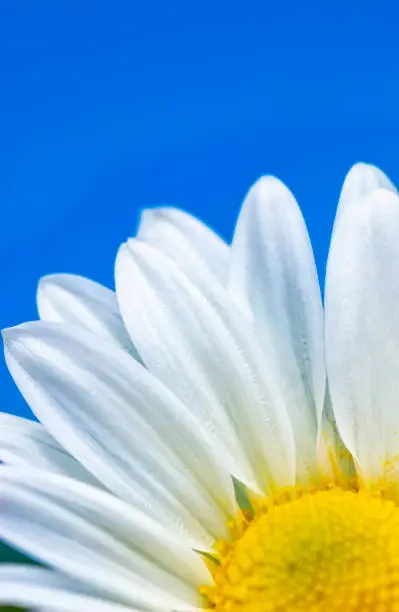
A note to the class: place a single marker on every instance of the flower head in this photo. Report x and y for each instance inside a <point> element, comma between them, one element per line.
<point>209,437</point>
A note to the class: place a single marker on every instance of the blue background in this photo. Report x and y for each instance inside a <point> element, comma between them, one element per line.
<point>108,107</point>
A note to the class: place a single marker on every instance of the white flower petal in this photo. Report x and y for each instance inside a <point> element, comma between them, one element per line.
<point>41,589</point>
<point>274,281</point>
<point>123,425</point>
<point>184,238</point>
<point>334,460</point>
<point>27,443</point>
<point>199,345</point>
<point>97,539</point>
<point>362,331</point>
<point>361,180</point>
<point>67,298</point>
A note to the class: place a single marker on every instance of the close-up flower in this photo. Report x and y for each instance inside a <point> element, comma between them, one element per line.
<point>213,434</point>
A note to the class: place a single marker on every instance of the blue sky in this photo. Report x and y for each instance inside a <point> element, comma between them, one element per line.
<point>109,107</point>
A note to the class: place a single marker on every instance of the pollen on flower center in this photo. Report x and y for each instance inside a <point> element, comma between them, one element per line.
<point>328,551</point>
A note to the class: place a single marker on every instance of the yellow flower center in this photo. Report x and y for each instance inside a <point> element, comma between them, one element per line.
<point>327,551</point>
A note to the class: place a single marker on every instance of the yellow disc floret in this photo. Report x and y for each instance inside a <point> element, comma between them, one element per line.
<point>328,551</point>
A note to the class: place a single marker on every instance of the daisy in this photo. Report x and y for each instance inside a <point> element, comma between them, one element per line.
<point>190,454</point>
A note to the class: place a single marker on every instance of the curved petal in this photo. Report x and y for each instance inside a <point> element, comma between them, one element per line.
<point>45,590</point>
<point>67,298</point>
<point>123,425</point>
<point>199,345</point>
<point>97,539</point>
<point>362,331</point>
<point>26,443</point>
<point>361,180</point>
<point>182,237</point>
<point>273,279</point>
<point>334,461</point>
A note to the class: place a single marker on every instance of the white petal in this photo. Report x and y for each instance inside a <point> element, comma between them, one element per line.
<point>274,281</point>
<point>67,298</point>
<point>334,460</point>
<point>183,237</point>
<point>27,443</point>
<point>361,180</point>
<point>199,345</point>
<point>122,424</point>
<point>45,590</point>
<point>97,539</point>
<point>362,331</point>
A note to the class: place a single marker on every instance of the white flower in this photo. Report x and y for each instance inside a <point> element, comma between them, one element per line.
<point>190,450</point>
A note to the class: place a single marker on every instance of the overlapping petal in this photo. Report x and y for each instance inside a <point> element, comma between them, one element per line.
<point>98,540</point>
<point>47,591</point>
<point>196,342</point>
<point>26,443</point>
<point>361,180</point>
<point>362,331</point>
<point>273,279</point>
<point>186,240</point>
<point>123,425</point>
<point>75,300</point>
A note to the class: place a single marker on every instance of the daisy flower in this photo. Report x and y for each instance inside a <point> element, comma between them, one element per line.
<point>208,438</point>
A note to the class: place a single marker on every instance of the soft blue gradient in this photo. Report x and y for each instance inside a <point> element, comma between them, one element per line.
<point>108,107</point>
